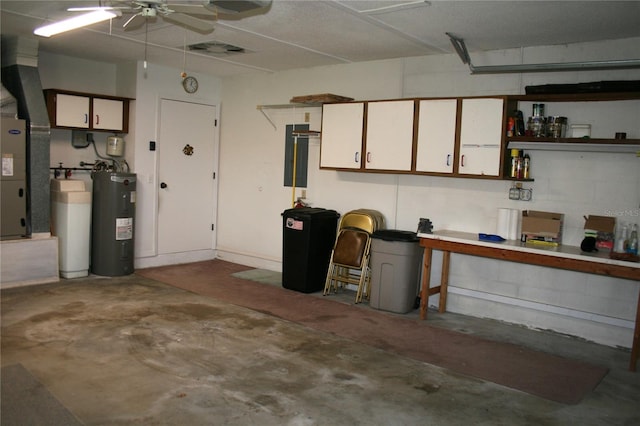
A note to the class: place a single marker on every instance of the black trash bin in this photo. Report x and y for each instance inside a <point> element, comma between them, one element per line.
<point>309,234</point>
<point>395,270</point>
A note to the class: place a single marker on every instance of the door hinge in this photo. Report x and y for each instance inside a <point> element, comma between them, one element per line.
<point>212,226</point>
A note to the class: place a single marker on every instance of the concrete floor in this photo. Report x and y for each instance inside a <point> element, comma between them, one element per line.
<point>130,350</point>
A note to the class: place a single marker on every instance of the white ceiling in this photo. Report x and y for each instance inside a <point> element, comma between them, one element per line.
<point>304,33</point>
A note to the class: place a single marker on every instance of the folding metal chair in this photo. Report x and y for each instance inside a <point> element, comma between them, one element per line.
<point>349,262</point>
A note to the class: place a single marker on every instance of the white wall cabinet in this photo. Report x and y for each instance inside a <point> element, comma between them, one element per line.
<point>481,137</point>
<point>436,137</point>
<point>108,114</point>
<point>71,110</point>
<point>389,142</point>
<point>342,130</point>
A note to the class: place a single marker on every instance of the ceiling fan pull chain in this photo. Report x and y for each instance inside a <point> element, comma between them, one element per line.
<point>146,31</point>
<point>184,55</point>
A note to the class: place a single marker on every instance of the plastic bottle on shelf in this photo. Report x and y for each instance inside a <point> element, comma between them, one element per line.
<point>633,240</point>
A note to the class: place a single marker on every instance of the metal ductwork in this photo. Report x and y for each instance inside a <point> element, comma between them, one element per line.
<point>461,49</point>
<point>21,78</point>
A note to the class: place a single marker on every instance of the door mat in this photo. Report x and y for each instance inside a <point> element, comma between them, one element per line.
<point>26,401</point>
<point>547,376</point>
<point>261,276</point>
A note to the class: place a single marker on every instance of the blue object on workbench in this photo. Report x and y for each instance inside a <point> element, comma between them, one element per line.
<point>491,237</point>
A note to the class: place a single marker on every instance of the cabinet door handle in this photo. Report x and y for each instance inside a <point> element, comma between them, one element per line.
<point>86,119</point>
<point>97,118</point>
<point>448,159</point>
<point>462,161</point>
<point>356,157</point>
<point>369,157</point>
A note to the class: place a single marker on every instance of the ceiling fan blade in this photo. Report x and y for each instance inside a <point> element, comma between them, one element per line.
<point>193,9</point>
<point>236,6</point>
<point>134,22</point>
<point>190,22</point>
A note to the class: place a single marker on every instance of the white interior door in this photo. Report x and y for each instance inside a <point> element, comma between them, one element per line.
<point>187,158</point>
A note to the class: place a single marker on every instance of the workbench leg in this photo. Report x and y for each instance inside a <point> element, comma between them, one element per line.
<point>426,282</point>
<point>444,281</point>
<point>636,339</point>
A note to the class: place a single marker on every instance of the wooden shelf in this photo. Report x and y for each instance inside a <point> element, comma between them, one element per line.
<point>518,179</point>
<point>576,97</point>
<point>587,141</point>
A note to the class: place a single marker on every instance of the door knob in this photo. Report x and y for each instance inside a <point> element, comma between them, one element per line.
<point>163,185</point>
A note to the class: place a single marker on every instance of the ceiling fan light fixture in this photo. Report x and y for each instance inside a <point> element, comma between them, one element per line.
<point>79,21</point>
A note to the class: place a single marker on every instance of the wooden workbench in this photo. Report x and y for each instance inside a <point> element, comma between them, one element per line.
<point>562,257</point>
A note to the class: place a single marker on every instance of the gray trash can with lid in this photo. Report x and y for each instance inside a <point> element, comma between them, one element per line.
<point>395,270</point>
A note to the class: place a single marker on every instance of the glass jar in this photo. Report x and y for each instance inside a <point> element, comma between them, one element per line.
<point>536,127</point>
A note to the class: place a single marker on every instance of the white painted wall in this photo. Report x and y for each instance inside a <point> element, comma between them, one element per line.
<point>252,196</point>
<point>67,73</point>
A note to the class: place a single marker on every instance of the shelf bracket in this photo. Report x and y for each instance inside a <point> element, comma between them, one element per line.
<point>263,108</point>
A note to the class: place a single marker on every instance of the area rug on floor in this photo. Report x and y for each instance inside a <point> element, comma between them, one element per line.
<point>26,401</point>
<point>261,276</point>
<point>537,373</point>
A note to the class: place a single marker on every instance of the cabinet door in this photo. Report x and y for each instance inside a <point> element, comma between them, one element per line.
<point>480,137</point>
<point>72,111</point>
<point>107,114</point>
<point>389,135</point>
<point>341,143</point>
<point>436,135</point>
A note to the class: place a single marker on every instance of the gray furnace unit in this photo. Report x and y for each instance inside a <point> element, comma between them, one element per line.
<point>13,183</point>
<point>112,223</point>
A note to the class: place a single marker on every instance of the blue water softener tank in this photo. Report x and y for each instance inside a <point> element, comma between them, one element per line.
<point>112,223</point>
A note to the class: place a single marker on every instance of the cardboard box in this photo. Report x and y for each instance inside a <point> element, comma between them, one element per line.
<point>602,228</point>
<point>542,226</point>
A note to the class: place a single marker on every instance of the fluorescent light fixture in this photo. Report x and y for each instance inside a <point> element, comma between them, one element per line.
<point>76,22</point>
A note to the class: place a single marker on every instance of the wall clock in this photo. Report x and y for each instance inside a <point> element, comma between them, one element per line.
<point>190,84</point>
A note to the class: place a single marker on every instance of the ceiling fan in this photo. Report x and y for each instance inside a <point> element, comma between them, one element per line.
<point>196,17</point>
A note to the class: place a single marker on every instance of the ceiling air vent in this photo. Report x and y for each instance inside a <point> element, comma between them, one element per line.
<point>216,48</point>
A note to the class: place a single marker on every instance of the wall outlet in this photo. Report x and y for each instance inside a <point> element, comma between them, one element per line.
<point>307,117</point>
<point>303,194</point>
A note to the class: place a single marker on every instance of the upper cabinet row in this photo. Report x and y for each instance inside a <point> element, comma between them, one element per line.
<point>454,136</point>
<point>73,110</point>
<point>467,137</point>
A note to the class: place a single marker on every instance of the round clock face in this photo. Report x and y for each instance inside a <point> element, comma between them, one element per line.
<point>190,84</point>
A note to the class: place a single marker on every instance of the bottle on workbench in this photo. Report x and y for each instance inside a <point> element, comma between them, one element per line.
<point>622,236</point>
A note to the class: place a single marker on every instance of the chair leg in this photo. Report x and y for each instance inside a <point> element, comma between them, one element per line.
<point>367,284</point>
<point>361,286</point>
<point>328,282</point>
